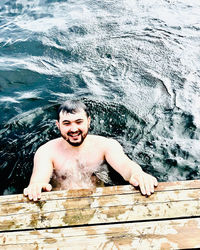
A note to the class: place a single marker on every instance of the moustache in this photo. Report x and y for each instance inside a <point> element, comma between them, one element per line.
<point>74,133</point>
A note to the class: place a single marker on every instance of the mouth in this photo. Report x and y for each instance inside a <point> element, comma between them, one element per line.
<point>74,135</point>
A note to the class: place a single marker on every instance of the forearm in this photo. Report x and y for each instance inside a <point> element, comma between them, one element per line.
<point>38,177</point>
<point>130,168</point>
<point>42,170</point>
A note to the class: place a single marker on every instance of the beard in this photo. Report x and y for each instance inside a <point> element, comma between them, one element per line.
<point>74,143</point>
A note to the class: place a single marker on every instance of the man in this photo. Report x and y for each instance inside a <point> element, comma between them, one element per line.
<point>70,160</point>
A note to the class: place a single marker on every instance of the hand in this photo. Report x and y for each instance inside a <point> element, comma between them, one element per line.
<point>145,181</point>
<point>33,191</point>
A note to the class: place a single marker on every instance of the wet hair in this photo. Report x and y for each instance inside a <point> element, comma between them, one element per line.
<point>72,107</point>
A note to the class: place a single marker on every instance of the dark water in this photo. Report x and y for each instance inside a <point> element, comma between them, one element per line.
<point>135,63</point>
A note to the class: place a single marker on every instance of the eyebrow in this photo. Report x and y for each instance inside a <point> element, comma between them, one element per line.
<point>70,121</point>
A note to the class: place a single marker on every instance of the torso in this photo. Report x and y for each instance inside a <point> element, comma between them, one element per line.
<point>74,169</point>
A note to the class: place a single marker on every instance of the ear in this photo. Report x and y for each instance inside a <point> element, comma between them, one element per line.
<point>57,124</point>
<point>89,120</point>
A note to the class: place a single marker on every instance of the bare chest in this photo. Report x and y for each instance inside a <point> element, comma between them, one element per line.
<point>75,170</point>
<point>86,161</point>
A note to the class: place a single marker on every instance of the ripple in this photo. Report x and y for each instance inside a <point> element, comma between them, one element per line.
<point>135,63</point>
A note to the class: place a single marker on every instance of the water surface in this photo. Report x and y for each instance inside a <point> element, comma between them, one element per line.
<point>135,63</point>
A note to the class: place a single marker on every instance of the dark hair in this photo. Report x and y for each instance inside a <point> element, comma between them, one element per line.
<point>72,106</point>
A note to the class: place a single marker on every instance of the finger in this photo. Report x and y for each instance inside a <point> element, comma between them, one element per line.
<point>151,184</point>
<point>146,184</point>
<point>38,192</point>
<point>25,191</point>
<point>155,182</point>
<point>48,187</point>
<point>34,193</point>
<point>152,187</point>
<point>148,188</point>
<point>28,193</point>
<point>30,196</point>
<point>142,186</point>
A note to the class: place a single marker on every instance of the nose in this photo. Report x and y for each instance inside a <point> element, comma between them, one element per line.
<point>73,127</point>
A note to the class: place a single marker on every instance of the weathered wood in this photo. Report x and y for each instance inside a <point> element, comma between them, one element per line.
<point>96,212</point>
<point>99,209</point>
<point>98,201</point>
<point>177,234</point>
<point>113,190</point>
<point>101,215</point>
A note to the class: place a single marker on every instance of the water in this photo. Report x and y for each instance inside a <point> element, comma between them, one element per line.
<point>135,63</point>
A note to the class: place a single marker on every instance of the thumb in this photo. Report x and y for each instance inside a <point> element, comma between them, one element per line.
<point>47,187</point>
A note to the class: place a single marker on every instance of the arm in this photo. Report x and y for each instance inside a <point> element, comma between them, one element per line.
<point>41,174</point>
<point>129,170</point>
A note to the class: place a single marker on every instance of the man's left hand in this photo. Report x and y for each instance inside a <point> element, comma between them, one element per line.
<point>145,181</point>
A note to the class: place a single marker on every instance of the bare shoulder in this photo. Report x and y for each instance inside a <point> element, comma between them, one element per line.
<point>49,146</point>
<point>104,142</point>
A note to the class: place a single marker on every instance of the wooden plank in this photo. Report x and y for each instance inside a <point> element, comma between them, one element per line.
<point>100,209</point>
<point>101,215</point>
<point>94,202</point>
<point>113,190</point>
<point>177,234</point>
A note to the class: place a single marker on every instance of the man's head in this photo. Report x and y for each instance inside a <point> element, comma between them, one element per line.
<point>73,121</point>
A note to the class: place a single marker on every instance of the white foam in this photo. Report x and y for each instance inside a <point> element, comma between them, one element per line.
<point>96,87</point>
<point>28,95</point>
<point>8,99</point>
<point>188,97</point>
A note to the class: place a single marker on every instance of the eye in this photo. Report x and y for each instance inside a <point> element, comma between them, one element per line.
<point>79,121</point>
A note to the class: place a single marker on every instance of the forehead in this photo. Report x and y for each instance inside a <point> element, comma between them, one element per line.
<point>73,116</point>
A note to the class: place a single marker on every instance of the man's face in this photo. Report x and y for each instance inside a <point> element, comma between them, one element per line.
<point>74,127</point>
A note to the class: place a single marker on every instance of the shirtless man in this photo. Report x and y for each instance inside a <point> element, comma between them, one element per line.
<point>70,160</point>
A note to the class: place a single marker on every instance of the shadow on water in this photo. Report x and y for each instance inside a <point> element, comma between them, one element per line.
<point>150,144</point>
<point>22,135</point>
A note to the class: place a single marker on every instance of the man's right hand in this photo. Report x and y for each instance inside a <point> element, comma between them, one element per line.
<point>33,191</point>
